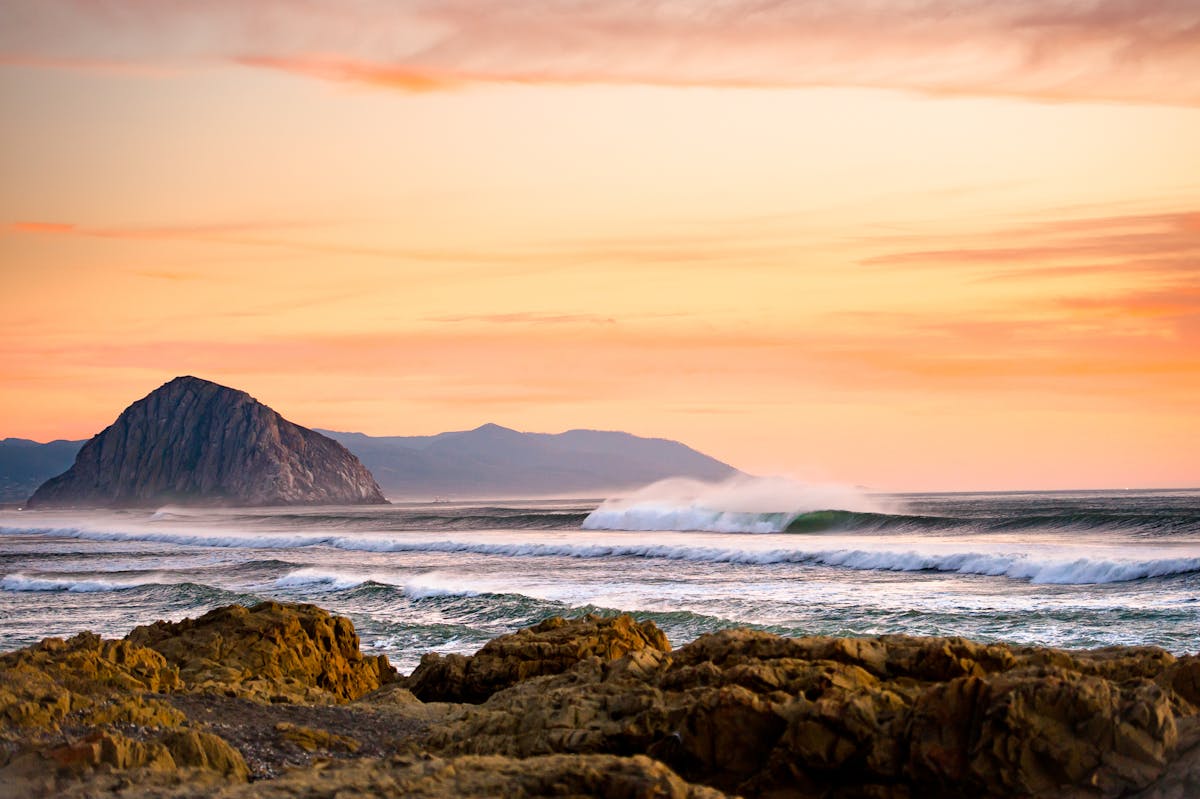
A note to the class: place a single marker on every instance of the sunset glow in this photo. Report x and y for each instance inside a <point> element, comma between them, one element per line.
<point>948,245</point>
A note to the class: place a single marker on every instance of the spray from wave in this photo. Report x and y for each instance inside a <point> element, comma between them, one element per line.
<point>741,504</point>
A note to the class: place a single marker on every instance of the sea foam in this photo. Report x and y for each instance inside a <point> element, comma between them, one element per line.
<point>22,582</point>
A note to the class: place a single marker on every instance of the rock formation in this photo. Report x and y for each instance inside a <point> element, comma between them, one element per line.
<point>590,707</point>
<point>195,442</point>
<point>761,715</point>
<point>551,647</point>
<point>269,652</point>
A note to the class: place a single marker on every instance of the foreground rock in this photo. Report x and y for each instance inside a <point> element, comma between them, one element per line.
<point>195,442</point>
<point>85,704</point>
<point>756,714</point>
<point>551,647</point>
<point>270,652</point>
<point>589,707</point>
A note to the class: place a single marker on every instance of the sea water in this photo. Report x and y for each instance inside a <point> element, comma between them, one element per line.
<point>1067,569</point>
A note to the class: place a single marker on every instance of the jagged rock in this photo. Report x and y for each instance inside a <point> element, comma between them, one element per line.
<point>551,647</point>
<point>740,711</point>
<point>98,681</point>
<point>270,652</point>
<point>193,749</point>
<point>895,716</point>
<point>195,442</point>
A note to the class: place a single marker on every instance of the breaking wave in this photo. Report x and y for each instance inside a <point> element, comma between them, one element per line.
<point>21,582</point>
<point>1020,566</point>
<point>420,586</point>
<point>741,504</point>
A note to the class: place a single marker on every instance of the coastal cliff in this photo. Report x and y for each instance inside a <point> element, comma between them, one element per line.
<point>280,695</point>
<point>193,442</point>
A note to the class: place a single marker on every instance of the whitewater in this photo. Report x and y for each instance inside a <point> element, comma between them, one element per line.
<point>1081,569</point>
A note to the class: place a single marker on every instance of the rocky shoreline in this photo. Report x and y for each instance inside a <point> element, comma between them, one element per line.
<point>279,701</point>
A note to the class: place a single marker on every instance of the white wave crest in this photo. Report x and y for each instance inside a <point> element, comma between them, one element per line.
<point>421,586</point>
<point>741,504</point>
<point>22,582</point>
<point>435,584</point>
<point>334,580</point>
<point>1037,568</point>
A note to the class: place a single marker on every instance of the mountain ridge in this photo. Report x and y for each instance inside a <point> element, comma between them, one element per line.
<point>493,460</point>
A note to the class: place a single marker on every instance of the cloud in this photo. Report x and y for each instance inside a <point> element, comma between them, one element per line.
<point>189,231</point>
<point>1167,242</point>
<point>342,70</point>
<point>530,318</point>
<point>1145,51</point>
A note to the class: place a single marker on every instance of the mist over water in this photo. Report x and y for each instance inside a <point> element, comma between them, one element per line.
<point>1066,569</point>
<point>740,504</point>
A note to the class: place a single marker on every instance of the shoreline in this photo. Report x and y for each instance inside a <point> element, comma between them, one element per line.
<point>279,700</point>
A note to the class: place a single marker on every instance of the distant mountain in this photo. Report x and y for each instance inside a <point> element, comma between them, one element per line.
<point>488,461</point>
<point>494,461</point>
<point>25,465</point>
<point>191,441</point>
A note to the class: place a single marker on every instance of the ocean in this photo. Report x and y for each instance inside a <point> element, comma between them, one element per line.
<point>1065,569</point>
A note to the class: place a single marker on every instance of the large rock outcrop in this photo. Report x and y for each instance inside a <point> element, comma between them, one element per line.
<point>896,717</point>
<point>552,647</point>
<point>269,652</point>
<point>195,442</point>
<point>590,707</point>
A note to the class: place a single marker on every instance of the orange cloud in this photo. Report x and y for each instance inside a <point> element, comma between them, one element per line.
<point>343,70</point>
<point>1139,51</point>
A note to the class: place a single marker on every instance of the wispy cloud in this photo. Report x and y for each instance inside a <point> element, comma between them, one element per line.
<point>188,231</point>
<point>1129,50</point>
<point>1167,242</point>
<point>528,318</point>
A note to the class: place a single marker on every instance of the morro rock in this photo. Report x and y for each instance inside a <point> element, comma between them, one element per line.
<point>193,442</point>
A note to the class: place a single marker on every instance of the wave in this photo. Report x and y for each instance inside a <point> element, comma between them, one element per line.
<point>1019,566</point>
<point>332,580</point>
<point>741,504</point>
<point>421,586</point>
<point>23,582</point>
<point>681,519</point>
<point>685,519</point>
<point>474,518</point>
<point>693,519</point>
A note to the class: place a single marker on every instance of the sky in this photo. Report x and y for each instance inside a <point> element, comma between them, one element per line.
<point>904,244</point>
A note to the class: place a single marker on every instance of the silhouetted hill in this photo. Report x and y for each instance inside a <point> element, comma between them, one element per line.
<point>495,461</point>
<point>195,442</point>
<point>488,461</point>
<point>25,465</point>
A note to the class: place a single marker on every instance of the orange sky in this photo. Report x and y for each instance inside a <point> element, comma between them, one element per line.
<point>950,245</point>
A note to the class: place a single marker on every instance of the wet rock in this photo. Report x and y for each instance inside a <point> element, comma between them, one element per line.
<point>268,652</point>
<point>552,647</point>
